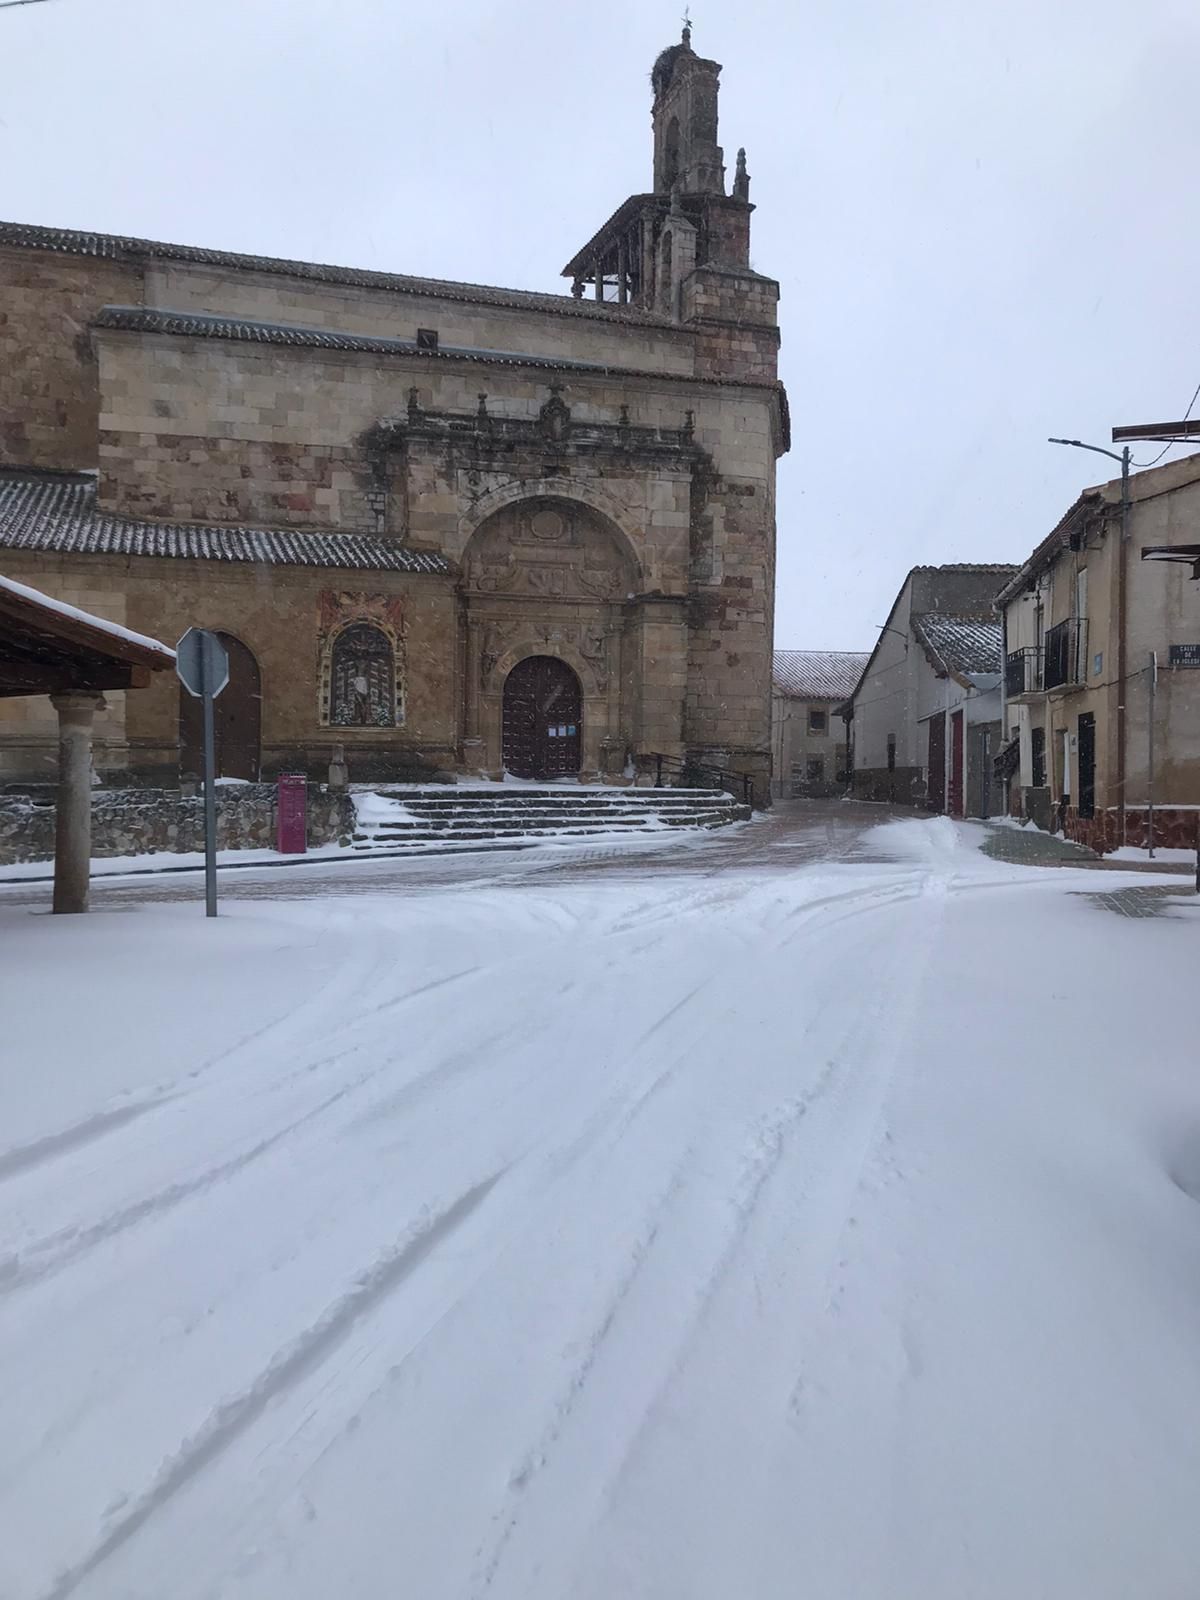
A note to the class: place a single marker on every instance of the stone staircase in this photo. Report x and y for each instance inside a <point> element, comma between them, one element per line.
<point>421,820</point>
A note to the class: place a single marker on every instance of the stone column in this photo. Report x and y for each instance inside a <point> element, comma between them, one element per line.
<point>73,820</point>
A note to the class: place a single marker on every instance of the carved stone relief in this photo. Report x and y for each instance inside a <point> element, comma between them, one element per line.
<point>546,550</point>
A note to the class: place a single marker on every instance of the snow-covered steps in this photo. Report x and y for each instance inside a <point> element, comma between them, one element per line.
<point>423,818</point>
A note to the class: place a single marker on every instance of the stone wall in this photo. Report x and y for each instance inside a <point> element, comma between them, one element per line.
<point>239,432</point>
<point>49,396</point>
<point>277,613</point>
<point>545,325</point>
<point>129,822</point>
<point>1175,828</point>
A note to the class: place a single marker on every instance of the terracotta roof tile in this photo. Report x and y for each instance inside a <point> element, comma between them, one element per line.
<point>963,644</point>
<point>818,674</point>
<point>57,512</point>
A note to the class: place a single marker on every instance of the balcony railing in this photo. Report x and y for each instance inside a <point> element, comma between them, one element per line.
<point>1066,654</point>
<point>1023,671</point>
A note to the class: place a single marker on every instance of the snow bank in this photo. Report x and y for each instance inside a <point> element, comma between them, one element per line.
<point>1129,852</point>
<point>168,861</point>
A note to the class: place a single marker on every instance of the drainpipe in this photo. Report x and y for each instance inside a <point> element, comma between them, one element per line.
<point>1122,595</point>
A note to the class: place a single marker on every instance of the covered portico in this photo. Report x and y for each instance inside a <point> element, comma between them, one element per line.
<point>50,648</point>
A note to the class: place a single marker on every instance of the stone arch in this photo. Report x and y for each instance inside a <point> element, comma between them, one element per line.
<point>237,718</point>
<point>627,533</point>
<point>563,649</point>
<point>368,635</point>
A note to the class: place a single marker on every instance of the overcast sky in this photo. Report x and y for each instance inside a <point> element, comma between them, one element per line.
<point>983,217</point>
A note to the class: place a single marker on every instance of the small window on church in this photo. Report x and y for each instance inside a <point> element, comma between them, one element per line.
<point>427,338</point>
<point>362,687</point>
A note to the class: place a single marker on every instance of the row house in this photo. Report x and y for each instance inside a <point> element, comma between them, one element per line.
<point>926,714</point>
<point>809,742</point>
<point>1102,666</point>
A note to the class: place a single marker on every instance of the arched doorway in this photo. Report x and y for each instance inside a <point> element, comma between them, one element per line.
<point>237,720</point>
<point>543,716</point>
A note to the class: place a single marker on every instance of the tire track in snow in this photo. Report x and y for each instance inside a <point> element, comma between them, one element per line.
<point>20,1158</point>
<point>902,994</point>
<point>47,1256</point>
<point>536,1457</point>
<point>41,1258</point>
<point>769,1145</point>
<point>287,1369</point>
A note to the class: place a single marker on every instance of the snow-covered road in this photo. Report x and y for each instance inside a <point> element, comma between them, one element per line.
<point>825,1229</point>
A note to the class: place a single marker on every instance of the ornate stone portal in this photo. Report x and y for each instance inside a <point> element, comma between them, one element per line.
<point>575,539</point>
<point>547,577</point>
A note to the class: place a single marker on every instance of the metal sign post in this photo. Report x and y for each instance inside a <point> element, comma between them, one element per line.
<point>1150,754</point>
<point>202,663</point>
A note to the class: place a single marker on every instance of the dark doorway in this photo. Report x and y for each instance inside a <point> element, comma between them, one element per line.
<point>237,720</point>
<point>956,764</point>
<point>937,762</point>
<point>1087,765</point>
<point>543,715</point>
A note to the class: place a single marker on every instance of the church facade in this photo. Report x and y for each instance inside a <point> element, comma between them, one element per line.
<point>444,526</point>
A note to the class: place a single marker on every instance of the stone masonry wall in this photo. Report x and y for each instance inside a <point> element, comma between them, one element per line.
<point>49,397</point>
<point>608,335</point>
<point>1175,828</point>
<point>128,822</point>
<point>276,613</point>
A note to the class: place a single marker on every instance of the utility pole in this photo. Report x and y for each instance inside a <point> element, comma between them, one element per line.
<point>1150,754</point>
<point>1122,593</point>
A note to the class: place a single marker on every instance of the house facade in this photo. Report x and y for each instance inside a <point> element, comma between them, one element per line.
<point>926,715</point>
<point>444,526</point>
<point>810,750</point>
<point>1102,667</point>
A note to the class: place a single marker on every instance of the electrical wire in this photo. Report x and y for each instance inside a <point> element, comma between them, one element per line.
<point>1142,465</point>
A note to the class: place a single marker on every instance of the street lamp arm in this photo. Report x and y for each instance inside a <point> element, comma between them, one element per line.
<point>1079,445</point>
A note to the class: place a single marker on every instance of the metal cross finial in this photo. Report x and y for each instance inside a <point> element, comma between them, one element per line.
<point>687,26</point>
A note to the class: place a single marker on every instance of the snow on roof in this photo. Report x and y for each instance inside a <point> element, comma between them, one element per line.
<point>818,674</point>
<point>113,630</point>
<point>963,644</point>
<point>57,511</point>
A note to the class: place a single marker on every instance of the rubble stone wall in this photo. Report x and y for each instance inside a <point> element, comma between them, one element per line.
<point>129,822</point>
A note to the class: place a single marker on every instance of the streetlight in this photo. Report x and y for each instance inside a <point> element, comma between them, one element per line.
<point>1124,458</point>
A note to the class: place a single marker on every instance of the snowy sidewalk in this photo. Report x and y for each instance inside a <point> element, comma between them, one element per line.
<point>790,1225</point>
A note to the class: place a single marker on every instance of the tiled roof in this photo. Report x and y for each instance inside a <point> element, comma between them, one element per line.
<point>57,512</point>
<point>963,644</point>
<point>114,247</point>
<point>204,325</point>
<point>818,674</point>
<point>969,566</point>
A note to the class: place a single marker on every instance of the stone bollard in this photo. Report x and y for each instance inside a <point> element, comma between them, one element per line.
<point>339,773</point>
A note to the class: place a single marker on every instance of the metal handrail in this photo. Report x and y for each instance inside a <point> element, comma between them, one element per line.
<point>729,781</point>
<point>1023,670</point>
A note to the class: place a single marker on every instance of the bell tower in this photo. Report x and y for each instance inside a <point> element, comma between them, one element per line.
<point>686,153</point>
<point>683,250</point>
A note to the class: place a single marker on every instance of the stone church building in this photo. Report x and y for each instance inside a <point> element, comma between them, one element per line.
<point>445,526</point>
